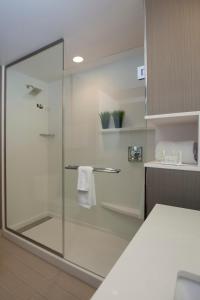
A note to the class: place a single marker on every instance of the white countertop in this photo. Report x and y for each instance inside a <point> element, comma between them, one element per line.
<point>167,242</point>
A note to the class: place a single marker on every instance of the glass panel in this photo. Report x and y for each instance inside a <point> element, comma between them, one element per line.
<point>96,237</point>
<point>34,147</point>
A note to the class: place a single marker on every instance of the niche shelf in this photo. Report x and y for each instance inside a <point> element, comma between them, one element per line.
<point>47,134</point>
<point>124,129</point>
<point>127,211</point>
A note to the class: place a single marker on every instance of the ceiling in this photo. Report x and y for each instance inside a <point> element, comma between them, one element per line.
<point>90,28</point>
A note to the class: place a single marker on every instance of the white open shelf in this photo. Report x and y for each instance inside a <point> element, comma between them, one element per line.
<point>184,126</point>
<point>182,167</point>
<point>124,129</point>
<point>127,211</point>
<point>175,118</point>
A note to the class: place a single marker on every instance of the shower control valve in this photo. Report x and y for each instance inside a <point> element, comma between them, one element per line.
<point>135,153</point>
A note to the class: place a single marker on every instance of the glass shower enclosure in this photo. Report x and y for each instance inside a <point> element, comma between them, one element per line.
<point>33,141</point>
<point>53,126</point>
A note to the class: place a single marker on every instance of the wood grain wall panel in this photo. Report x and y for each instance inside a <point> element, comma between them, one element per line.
<point>0,150</point>
<point>173,60</point>
<point>172,187</point>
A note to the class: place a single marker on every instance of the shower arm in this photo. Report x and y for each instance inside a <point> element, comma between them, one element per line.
<point>104,170</point>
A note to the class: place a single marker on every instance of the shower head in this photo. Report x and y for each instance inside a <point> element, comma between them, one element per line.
<point>33,91</point>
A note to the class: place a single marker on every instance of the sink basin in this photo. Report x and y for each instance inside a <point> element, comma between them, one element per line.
<point>187,286</point>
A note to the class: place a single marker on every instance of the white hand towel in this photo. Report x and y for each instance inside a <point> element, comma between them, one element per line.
<point>86,187</point>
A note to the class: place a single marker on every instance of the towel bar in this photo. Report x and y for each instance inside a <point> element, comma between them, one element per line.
<point>106,170</point>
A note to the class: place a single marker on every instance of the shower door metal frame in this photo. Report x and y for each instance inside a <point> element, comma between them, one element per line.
<point>57,42</point>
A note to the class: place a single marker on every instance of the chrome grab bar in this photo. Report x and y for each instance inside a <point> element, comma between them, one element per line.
<point>106,170</point>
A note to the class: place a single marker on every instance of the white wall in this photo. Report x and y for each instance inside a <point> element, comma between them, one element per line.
<point>108,87</point>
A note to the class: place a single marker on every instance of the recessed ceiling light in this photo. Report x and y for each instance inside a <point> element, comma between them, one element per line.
<point>78,59</point>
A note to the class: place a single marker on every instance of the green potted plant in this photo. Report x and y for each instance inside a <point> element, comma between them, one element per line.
<point>105,119</point>
<point>118,117</point>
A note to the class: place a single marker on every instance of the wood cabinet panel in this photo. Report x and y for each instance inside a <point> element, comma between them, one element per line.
<point>172,187</point>
<point>0,149</point>
<point>173,56</point>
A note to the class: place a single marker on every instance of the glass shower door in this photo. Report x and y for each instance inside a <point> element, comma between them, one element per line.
<point>95,237</point>
<point>34,200</point>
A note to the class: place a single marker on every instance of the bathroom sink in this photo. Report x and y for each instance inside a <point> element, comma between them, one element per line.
<point>187,286</point>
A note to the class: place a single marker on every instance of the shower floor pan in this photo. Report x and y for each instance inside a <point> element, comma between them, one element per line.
<point>90,248</point>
